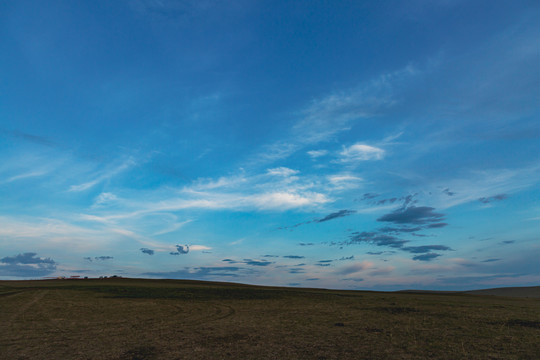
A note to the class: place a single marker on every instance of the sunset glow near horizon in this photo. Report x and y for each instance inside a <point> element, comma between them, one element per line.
<point>336,144</point>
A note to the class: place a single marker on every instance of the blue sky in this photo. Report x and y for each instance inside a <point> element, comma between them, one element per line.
<point>344,144</point>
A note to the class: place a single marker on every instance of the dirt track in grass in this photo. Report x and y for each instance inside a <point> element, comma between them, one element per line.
<point>169,319</point>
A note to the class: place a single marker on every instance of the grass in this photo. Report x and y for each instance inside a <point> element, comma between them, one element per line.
<point>128,319</point>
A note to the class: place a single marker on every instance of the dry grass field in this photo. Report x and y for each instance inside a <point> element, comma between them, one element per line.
<point>128,319</point>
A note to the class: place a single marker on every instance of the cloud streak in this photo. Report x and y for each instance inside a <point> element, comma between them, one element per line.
<point>361,152</point>
<point>336,215</point>
<point>105,175</point>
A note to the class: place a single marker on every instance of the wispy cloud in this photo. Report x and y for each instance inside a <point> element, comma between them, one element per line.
<point>105,198</point>
<point>355,268</point>
<point>50,233</point>
<point>361,152</point>
<point>27,175</point>
<point>332,114</point>
<point>104,175</point>
<point>287,200</point>
<point>172,228</point>
<point>344,181</point>
<point>325,117</point>
<point>482,184</point>
<point>317,153</point>
<point>36,139</point>
<point>282,171</point>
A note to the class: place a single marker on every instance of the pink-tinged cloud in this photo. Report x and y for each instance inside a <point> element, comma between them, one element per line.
<point>354,268</point>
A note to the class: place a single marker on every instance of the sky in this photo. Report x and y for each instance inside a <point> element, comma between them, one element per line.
<point>331,144</point>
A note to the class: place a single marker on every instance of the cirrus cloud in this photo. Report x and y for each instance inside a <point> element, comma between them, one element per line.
<point>361,152</point>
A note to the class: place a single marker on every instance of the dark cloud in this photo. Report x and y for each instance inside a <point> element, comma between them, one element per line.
<point>335,215</point>
<point>425,248</point>
<point>408,219</point>
<point>411,220</point>
<point>384,201</point>
<point>437,225</point>
<point>487,200</point>
<point>181,249</point>
<point>347,258</point>
<point>379,239</point>
<point>491,260</point>
<point>421,215</point>
<point>103,258</point>
<point>375,253</point>
<point>368,196</point>
<point>426,257</point>
<point>398,230</point>
<point>376,239</point>
<point>448,192</point>
<point>250,262</point>
<point>26,265</point>
<point>214,270</point>
<point>306,244</point>
<point>322,264</point>
<point>406,201</point>
<point>508,241</point>
<point>312,279</point>
<point>88,259</point>
<point>147,251</point>
<point>294,257</point>
<point>325,261</point>
<point>296,271</point>
<point>26,258</point>
<point>294,284</point>
<point>257,262</point>
<point>270,256</point>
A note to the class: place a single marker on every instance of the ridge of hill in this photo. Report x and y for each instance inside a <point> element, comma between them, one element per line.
<point>514,291</point>
<point>524,291</point>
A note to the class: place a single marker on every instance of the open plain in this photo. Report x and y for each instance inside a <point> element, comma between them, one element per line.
<point>128,319</point>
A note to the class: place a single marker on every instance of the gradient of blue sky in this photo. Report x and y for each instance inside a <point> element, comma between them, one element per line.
<point>340,144</point>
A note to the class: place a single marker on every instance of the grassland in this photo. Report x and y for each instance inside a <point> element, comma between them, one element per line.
<point>128,319</point>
